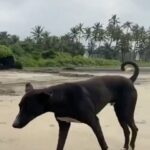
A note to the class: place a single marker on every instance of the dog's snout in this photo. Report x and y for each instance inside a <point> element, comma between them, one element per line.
<point>16,124</point>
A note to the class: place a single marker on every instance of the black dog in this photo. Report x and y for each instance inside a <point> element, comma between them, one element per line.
<point>81,101</point>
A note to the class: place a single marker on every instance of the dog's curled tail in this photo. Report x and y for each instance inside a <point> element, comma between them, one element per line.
<point>136,69</point>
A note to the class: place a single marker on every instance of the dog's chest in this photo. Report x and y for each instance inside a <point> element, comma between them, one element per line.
<point>68,119</point>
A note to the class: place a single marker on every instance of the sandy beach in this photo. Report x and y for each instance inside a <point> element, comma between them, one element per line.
<point>42,133</point>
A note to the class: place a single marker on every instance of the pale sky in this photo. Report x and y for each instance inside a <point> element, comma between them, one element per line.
<point>58,16</point>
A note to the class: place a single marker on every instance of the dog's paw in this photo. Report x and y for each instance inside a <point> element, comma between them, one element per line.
<point>130,148</point>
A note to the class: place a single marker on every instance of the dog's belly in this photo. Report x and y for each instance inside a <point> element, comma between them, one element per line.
<point>68,119</point>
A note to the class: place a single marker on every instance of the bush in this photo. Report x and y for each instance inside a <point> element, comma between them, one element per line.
<point>48,54</point>
<point>63,60</point>
<point>17,50</point>
<point>5,51</point>
<point>18,65</point>
<point>28,61</point>
<point>81,61</point>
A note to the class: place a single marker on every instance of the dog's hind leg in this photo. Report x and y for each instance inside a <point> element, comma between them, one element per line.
<point>130,119</point>
<point>124,126</point>
<point>63,132</point>
<point>125,112</point>
<point>134,133</point>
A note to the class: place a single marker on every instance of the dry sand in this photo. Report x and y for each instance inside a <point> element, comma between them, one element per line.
<point>41,133</point>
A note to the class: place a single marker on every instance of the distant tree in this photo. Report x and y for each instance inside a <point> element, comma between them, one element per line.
<point>138,37</point>
<point>128,26</point>
<point>17,50</point>
<point>98,33</point>
<point>114,20</point>
<point>79,28</point>
<point>115,41</point>
<point>4,38</point>
<point>124,46</point>
<point>74,34</point>
<point>146,52</point>
<point>45,40</point>
<point>14,39</point>
<point>91,47</point>
<point>37,32</point>
<point>113,30</point>
<point>28,45</point>
<point>70,46</point>
<point>87,34</point>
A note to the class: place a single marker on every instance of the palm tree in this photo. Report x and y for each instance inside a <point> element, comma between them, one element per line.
<point>142,41</point>
<point>135,37</point>
<point>114,20</point>
<point>124,45</point>
<point>146,53</point>
<point>91,46</point>
<point>79,27</point>
<point>14,39</point>
<point>45,40</point>
<point>87,33</point>
<point>128,26</point>
<point>139,38</point>
<point>28,39</point>
<point>74,34</point>
<point>37,33</point>
<point>98,33</point>
<point>88,37</point>
<point>45,34</point>
<point>113,30</point>
<point>4,38</point>
<point>135,32</point>
<point>101,36</point>
<point>96,28</point>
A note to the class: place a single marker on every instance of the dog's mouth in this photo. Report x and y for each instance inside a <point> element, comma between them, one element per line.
<point>18,126</point>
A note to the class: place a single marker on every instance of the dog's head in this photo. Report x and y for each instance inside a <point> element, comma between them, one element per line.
<point>33,103</point>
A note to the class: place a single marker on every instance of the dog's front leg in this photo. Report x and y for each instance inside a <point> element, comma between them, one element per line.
<point>63,132</point>
<point>95,125</point>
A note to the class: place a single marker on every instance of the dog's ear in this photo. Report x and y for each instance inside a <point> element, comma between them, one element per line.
<point>28,87</point>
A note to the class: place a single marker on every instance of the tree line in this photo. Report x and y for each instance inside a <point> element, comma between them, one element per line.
<point>116,40</point>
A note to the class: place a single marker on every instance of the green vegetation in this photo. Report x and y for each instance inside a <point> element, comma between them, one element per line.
<point>81,46</point>
<point>66,60</point>
<point>5,51</point>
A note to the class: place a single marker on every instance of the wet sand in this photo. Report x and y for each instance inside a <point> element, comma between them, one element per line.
<point>42,133</point>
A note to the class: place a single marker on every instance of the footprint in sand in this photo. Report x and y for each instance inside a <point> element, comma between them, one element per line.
<point>141,122</point>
